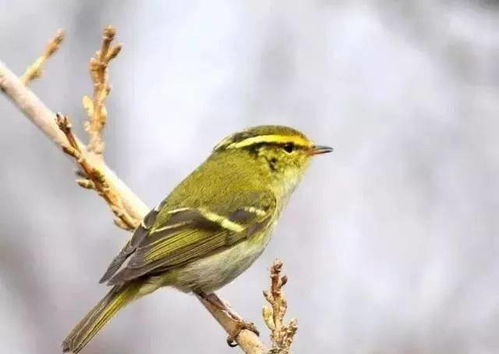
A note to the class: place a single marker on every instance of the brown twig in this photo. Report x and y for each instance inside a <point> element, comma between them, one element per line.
<point>248,341</point>
<point>94,178</point>
<point>43,118</point>
<point>281,334</point>
<point>35,70</point>
<point>95,106</point>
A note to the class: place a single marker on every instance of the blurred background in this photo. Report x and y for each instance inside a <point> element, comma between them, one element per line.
<point>390,243</point>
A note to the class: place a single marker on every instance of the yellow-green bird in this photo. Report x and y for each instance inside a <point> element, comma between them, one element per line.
<point>211,228</point>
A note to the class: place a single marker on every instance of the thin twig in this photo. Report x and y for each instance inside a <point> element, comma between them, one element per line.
<point>35,70</point>
<point>95,106</point>
<point>94,178</point>
<point>282,334</point>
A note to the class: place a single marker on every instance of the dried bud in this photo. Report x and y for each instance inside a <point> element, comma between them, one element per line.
<point>284,280</point>
<point>268,317</point>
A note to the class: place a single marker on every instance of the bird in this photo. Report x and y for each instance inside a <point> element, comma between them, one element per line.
<point>210,228</point>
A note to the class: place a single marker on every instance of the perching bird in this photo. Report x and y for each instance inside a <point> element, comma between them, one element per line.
<point>211,228</point>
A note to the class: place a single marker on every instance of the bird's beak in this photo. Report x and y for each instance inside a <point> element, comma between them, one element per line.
<point>320,149</point>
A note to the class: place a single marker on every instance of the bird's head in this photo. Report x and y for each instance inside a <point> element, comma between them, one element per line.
<point>283,151</point>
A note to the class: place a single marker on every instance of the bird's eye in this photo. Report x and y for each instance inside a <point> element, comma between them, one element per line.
<point>288,147</point>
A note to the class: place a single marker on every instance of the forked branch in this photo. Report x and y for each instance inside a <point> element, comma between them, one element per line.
<point>126,206</point>
<point>93,177</point>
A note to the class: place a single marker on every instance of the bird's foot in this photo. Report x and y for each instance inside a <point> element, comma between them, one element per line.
<point>240,326</point>
<point>214,300</point>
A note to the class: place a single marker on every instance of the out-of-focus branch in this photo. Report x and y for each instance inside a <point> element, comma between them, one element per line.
<point>282,334</point>
<point>35,70</point>
<point>95,169</point>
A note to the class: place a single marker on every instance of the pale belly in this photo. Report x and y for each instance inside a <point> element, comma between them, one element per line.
<point>209,274</point>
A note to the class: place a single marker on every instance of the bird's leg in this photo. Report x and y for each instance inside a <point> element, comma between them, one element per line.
<point>213,299</point>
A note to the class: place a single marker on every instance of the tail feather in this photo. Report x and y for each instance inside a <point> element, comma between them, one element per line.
<point>87,328</point>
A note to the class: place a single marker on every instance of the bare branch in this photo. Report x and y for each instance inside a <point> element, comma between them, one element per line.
<point>60,132</point>
<point>95,107</point>
<point>35,70</point>
<point>248,341</point>
<point>94,178</point>
<point>44,118</point>
<point>281,334</point>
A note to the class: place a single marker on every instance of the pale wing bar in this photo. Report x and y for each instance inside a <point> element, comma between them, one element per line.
<point>201,232</point>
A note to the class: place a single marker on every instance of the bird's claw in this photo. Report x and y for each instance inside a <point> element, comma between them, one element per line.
<point>241,325</point>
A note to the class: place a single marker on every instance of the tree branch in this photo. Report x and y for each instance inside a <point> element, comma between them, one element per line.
<point>35,70</point>
<point>96,110</point>
<point>36,111</point>
<point>93,177</point>
<point>281,334</point>
<point>60,133</point>
<point>247,340</point>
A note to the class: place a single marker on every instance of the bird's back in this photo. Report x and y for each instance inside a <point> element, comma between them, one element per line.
<point>218,182</point>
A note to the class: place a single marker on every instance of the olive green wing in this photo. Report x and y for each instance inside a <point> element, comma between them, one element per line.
<point>179,236</point>
<point>138,235</point>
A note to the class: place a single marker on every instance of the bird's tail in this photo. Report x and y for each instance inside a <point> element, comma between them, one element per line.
<point>87,328</point>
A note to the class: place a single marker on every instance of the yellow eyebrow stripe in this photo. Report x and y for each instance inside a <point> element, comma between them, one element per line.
<point>299,141</point>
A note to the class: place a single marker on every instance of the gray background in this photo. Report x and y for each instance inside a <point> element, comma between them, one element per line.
<point>390,243</point>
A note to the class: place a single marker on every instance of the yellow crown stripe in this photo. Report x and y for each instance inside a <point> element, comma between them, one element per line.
<point>297,140</point>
